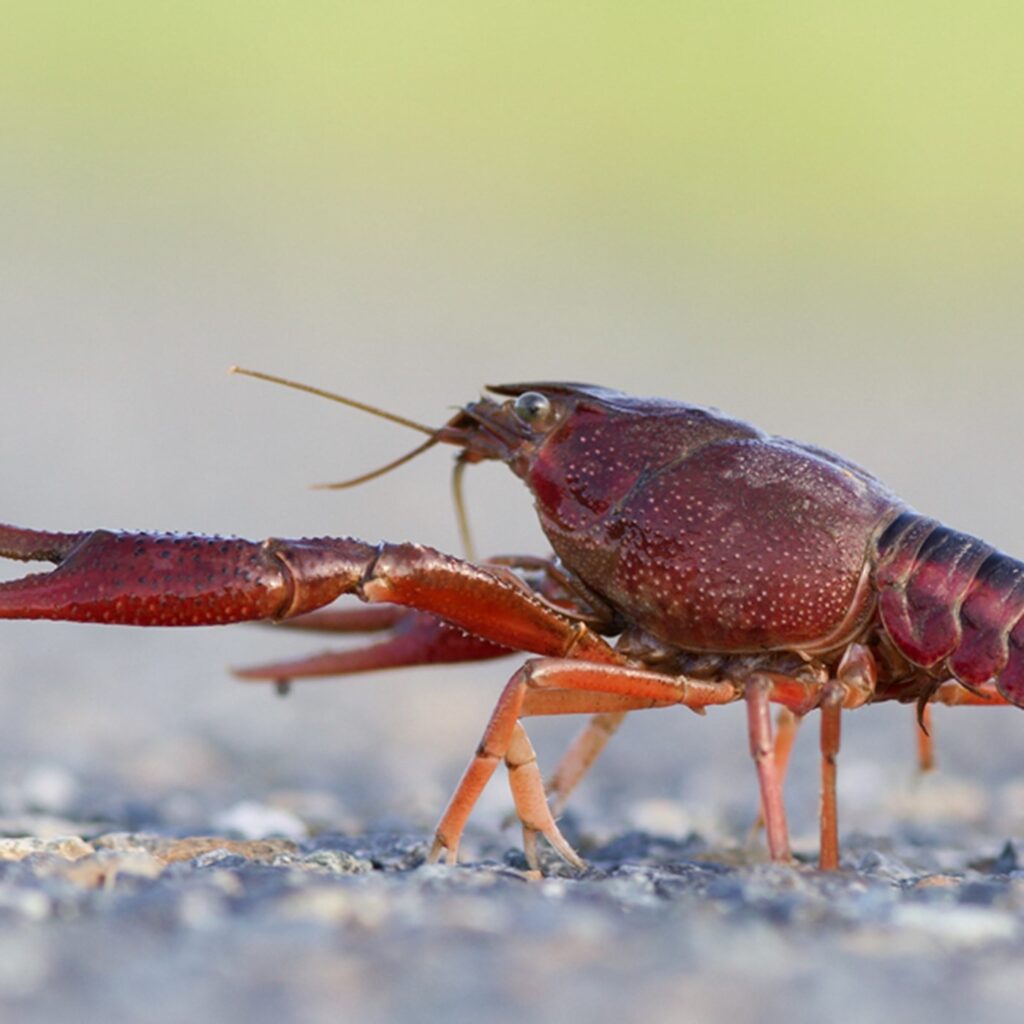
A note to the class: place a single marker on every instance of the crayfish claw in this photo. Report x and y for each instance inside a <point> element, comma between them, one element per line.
<point>37,545</point>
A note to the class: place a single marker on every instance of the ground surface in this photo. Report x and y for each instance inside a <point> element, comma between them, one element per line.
<point>309,900</point>
<point>128,907</point>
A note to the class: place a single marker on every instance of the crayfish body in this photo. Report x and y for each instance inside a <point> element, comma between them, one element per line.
<point>726,563</point>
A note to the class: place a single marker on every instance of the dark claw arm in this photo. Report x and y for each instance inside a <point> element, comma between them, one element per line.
<point>417,638</point>
<point>186,580</point>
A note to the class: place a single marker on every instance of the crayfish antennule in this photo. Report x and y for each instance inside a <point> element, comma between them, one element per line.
<point>374,473</point>
<point>433,437</point>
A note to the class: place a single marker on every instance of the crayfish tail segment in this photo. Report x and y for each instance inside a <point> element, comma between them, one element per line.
<point>947,595</point>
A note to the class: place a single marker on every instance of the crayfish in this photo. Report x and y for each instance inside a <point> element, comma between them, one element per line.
<point>698,561</point>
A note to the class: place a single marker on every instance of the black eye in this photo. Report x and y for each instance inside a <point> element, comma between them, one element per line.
<point>532,408</point>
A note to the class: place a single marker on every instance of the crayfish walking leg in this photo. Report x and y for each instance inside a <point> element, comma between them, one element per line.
<point>584,750</point>
<point>551,687</point>
<point>762,750</point>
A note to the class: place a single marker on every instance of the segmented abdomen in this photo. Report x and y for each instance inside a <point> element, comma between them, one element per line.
<point>947,595</point>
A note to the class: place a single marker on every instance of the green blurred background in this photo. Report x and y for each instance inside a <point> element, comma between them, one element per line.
<point>809,214</point>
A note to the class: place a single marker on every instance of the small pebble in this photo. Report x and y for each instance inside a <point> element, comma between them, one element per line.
<point>252,820</point>
<point>67,847</point>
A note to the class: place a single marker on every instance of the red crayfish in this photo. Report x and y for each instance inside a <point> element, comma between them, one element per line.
<point>729,564</point>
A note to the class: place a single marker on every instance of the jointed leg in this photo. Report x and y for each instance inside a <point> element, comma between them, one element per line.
<point>140,579</point>
<point>925,742</point>
<point>557,686</point>
<point>831,710</point>
<point>580,757</point>
<point>853,686</point>
<point>787,725</point>
<point>530,800</point>
<point>759,726</point>
<point>952,694</point>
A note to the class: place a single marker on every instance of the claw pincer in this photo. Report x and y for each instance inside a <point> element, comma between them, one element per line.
<point>176,580</point>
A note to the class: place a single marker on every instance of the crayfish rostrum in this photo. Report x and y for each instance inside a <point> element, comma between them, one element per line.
<point>698,561</point>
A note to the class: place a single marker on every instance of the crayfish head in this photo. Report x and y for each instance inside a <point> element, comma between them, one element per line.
<point>583,451</point>
<point>516,428</point>
<point>512,429</point>
<point>577,447</point>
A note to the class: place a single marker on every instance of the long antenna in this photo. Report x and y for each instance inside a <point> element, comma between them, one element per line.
<point>433,438</point>
<point>309,389</point>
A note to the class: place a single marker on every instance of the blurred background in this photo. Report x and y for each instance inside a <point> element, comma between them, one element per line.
<point>810,215</point>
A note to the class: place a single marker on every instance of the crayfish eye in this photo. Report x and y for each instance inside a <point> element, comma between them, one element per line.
<point>532,408</point>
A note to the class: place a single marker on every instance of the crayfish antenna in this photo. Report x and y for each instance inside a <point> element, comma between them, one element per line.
<point>433,438</point>
<point>432,434</point>
<point>334,397</point>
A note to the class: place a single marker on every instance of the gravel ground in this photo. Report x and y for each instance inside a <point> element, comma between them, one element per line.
<point>115,909</point>
<point>204,850</point>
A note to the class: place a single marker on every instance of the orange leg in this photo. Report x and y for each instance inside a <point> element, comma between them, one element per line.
<point>556,686</point>
<point>854,685</point>
<point>578,759</point>
<point>787,725</point>
<point>831,712</point>
<point>953,694</point>
<point>762,749</point>
<point>925,741</point>
<point>524,779</point>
